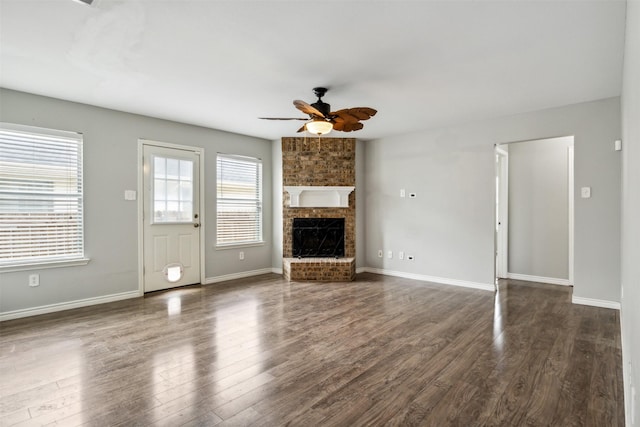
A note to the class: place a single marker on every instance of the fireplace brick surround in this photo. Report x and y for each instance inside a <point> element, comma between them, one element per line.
<point>319,162</point>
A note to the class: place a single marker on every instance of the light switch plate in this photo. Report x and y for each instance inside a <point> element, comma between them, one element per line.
<point>129,194</point>
<point>585,192</point>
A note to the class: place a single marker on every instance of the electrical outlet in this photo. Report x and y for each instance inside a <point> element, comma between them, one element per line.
<point>34,280</point>
<point>400,255</point>
<point>241,255</point>
<point>402,192</point>
<point>390,254</point>
<point>410,257</point>
<point>379,253</point>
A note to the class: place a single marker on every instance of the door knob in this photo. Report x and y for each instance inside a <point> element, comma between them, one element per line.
<point>196,225</point>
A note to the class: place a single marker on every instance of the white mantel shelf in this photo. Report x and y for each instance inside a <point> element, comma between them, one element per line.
<point>319,196</point>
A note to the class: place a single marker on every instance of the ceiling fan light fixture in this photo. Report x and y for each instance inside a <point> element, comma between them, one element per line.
<point>319,127</point>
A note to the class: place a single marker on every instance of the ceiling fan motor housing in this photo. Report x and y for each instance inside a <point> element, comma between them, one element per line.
<point>323,107</point>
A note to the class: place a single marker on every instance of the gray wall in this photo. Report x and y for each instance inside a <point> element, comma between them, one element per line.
<point>110,167</point>
<point>361,235</point>
<point>539,208</point>
<point>630,314</point>
<point>448,227</point>
<point>276,251</point>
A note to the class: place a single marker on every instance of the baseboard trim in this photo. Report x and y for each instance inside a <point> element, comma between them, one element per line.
<point>361,270</point>
<point>540,279</point>
<point>424,278</point>
<point>241,275</point>
<point>596,302</point>
<point>52,308</point>
<point>276,270</point>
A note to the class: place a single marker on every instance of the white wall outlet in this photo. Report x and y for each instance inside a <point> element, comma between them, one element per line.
<point>402,193</point>
<point>34,280</point>
<point>585,192</point>
<point>617,145</point>
<point>412,195</point>
<point>380,253</point>
<point>410,257</point>
<point>130,194</point>
<point>400,255</point>
<point>241,255</point>
<point>390,254</point>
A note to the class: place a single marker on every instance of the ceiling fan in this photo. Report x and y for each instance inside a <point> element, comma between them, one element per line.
<point>322,120</point>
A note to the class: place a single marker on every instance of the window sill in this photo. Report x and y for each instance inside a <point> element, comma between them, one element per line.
<point>238,245</point>
<point>44,264</point>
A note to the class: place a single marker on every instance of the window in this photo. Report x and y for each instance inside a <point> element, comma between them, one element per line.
<point>40,196</point>
<point>239,192</point>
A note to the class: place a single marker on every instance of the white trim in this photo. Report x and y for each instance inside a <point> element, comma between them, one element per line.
<point>240,275</point>
<point>276,270</point>
<point>440,280</point>
<point>540,279</point>
<point>595,302</point>
<point>139,213</point>
<point>361,270</point>
<point>51,308</point>
<point>199,151</point>
<point>502,214</point>
<point>571,178</point>
<point>501,151</point>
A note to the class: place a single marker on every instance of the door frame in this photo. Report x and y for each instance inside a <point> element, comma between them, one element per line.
<point>502,213</point>
<point>570,201</point>
<point>198,150</point>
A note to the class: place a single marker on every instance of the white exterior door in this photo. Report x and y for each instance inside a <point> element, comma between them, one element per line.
<point>171,217</point>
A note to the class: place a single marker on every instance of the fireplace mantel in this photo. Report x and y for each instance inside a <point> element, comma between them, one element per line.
<point>319,196</point>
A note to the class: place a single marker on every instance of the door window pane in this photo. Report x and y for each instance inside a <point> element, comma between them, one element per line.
<point>173,190</point>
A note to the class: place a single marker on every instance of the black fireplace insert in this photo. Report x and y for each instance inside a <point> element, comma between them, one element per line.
<point>318,237</point>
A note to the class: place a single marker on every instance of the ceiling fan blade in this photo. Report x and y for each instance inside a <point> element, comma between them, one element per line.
<point>303,128</point>
<point>338,125</point>
<point>307,109</point>
<point>283,118</point>
<point>349,127</point>
<point>359,113</point>
<point>346,118</point>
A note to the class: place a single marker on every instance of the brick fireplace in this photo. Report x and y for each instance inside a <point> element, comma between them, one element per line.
<point>318,165</point>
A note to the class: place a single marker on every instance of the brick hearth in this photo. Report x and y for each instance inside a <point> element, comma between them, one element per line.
<point>320,269</point>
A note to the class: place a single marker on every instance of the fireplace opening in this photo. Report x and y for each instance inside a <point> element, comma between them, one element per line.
<point>318,237</point>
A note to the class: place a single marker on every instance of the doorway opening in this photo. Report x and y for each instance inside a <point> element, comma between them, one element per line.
<point>534,210</point>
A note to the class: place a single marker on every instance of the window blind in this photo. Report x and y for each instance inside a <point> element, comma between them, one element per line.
<point>239,200</point>
<point>40,195</point>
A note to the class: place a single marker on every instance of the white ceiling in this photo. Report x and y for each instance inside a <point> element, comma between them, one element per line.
<point>222,64</point>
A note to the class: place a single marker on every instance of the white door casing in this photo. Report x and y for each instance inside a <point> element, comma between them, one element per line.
<point>171,217</point>
<point>502,213</point>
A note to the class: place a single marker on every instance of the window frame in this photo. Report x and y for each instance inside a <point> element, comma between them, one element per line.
<point>259,201</point>
<point>42,137</point>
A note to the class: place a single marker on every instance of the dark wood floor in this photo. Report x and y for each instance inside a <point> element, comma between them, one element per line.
<point>261,351</point>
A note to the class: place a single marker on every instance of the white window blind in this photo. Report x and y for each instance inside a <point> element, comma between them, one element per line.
<point>40,196</point>
<point>239,196</point>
